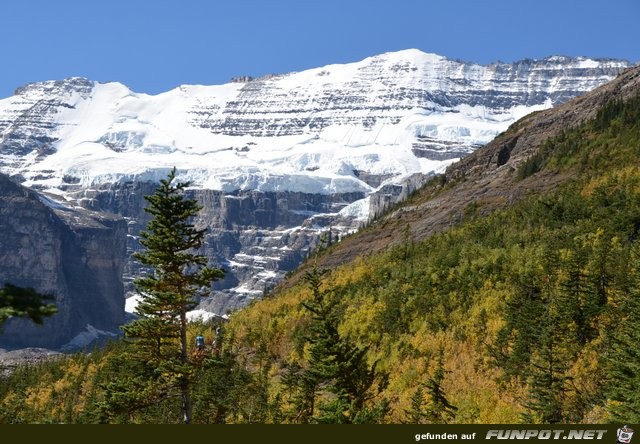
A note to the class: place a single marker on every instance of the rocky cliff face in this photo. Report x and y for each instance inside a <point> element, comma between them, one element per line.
<point>257,237</point>
<point>275,160</point>
<point>73,254</point>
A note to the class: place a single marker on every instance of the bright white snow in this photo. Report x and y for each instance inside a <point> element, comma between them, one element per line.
<point>114,134</point>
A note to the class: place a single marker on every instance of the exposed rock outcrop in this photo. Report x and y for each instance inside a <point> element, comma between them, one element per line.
<point>76,255</point>
<point>257,237</point>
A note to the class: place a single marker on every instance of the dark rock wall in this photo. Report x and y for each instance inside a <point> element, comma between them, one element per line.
<point>72,254</point>
<point>257,237</point>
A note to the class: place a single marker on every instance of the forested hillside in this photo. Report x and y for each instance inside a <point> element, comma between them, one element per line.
<point>522,309</point>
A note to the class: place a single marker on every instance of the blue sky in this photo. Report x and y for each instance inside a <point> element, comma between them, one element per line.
<point>154,46</point>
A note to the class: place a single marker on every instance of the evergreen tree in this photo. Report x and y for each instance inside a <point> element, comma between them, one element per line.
<point>300,393</point>
<point>179,276</point>
<point>577,294</point>
<point>624,357</point>
<point>547,382</point>
<point>416,414</point>
<point>551,358</point>
<point>337,363</point>
<point>131,389</point>
<point>439,410</point>
<point>523,313</point>
<point>24,302</point>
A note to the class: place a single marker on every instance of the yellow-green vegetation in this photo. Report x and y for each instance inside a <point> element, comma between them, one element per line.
<point>528,314</point>
<point>525,303</point>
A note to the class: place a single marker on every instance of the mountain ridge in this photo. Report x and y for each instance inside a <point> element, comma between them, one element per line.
<point>236,110</point>
<point>248,77</point>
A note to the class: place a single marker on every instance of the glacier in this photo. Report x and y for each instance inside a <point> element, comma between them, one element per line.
<point>305,131</point>
<point>301,151</point>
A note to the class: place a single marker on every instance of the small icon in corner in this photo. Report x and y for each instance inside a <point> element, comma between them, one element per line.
<point>624,435</point>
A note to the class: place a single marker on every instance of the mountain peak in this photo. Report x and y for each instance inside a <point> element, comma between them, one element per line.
<point>412,54</point>
<point>48,87</point>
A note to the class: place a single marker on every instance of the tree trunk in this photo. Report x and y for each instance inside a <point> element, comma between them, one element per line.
<point>186,400</point>
<point>184,382</point>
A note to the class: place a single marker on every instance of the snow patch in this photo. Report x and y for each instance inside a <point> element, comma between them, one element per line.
<point>200,315</point>
<point>131,303</point>
<point>358,210</point>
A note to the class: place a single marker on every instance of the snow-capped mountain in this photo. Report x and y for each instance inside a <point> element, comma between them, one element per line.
<point>391,115</point>
<point>276,159</point>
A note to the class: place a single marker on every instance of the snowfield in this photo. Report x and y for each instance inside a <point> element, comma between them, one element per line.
<point>308,132</point>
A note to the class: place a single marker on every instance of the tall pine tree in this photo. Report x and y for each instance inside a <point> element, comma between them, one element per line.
<point>337,364</point>
<point>439,409</point>
<point>551,356</point>
<point>180,275</point>
<point>623,359</point>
